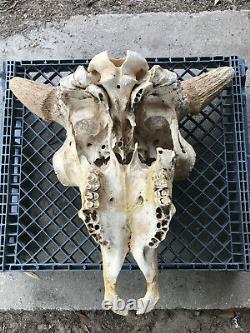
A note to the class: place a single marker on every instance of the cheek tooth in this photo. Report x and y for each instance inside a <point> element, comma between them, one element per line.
<point>164,201</point>
<point>94,216</point>
<point>161,183</point>
<point>93,187</point>
<point>93,182</point>
<point>96,204</point>
<point>164,223</point>
<point>91,195</point>
<point>85,215</point>
<point>88,204</point>
<point>88,195</point>
<point>158,193</point>
<point>163,193</point>
<point>164,183</point>
<point>158,216</point>
<point>92,177</point>
<point>91,204</point>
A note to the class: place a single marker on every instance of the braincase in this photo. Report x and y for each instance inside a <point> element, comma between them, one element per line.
<point>102,67</point>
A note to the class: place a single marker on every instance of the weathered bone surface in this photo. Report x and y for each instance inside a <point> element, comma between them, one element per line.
<point>123,150</point>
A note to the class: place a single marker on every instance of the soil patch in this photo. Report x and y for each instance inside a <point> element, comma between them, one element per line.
<point>19,15</point>
<point>158,321</point>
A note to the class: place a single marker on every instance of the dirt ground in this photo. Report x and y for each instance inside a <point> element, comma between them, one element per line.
<point>20,15</point>
<point>158,321</point>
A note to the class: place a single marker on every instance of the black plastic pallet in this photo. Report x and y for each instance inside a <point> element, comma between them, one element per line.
<point>39,225</point>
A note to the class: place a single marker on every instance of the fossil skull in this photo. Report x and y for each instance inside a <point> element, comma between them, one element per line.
<point>123,150</point>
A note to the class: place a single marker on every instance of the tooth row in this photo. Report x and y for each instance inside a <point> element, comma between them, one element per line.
<point>91,196</point>
<point>92,223</point>
<point>93,181</point>
<point>91,203</point>
<point>163,220</point>
<point>161,180</point>
<point>162,197</point>
<point>163,200</point>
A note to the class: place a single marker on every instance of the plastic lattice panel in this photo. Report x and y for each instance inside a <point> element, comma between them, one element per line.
<point>40,228</point>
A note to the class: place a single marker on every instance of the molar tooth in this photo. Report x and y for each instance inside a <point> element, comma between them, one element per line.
<point>95,204</point>
<point>165,223</point>
<point>163,193</point>
<point>91,195</point>
<point>158,193</point>
<point>89,204</point>
<point>164,201</point>
<point>158,213</point>
<point>93,187</point>
<point>88,195</point>
<point>95,196</point>
<point>166,210</point>
<point>95,216</point>
<point>93,178</point>
<point>161,183</point>
<point>97,227</point>
<point>84,215</point>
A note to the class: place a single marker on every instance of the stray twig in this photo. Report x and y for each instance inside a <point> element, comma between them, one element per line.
<point>216,2</point>
<point>32,275</point>
<point>5,3</point>
<point>84,322</point>
<point>91,3</point>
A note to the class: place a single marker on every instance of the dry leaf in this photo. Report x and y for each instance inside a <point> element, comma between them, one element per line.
<point>84,322</point>
<point>32,275</point>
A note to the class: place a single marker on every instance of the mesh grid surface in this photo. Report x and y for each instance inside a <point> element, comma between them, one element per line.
<point>39,224</point>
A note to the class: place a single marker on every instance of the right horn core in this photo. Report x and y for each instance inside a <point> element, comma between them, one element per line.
<point>199,91</point>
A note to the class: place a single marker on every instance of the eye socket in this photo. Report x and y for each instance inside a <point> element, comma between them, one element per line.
<point>95,76</point>
<point>140,74</point>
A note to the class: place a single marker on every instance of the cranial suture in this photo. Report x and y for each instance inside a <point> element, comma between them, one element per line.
<point>123,150</point>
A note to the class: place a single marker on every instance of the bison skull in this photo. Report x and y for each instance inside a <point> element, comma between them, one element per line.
<point>123,150</point>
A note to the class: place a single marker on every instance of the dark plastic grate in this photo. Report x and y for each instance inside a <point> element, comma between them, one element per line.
<point>39,225</point>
